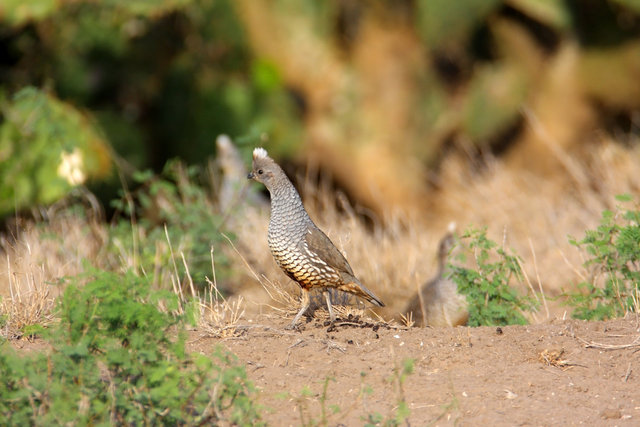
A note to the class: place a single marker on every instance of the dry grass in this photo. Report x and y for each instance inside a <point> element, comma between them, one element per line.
<point>219,317</point>
<point>55,245</point>
<point>36,255</point>
<point>25,308</point>
<point>554,357</point>
<point>216,316</point>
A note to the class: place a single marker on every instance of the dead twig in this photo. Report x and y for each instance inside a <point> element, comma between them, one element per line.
<point>334,345</point>
<point>300,342</point>
<point>628,374</point>
<point>593,344</point>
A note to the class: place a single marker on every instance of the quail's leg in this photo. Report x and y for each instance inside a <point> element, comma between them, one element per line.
<point>327,296</point>
<point>306,302</point>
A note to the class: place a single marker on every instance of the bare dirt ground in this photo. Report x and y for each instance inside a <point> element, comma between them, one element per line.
<point>563,372</point>
<point>558,373</point>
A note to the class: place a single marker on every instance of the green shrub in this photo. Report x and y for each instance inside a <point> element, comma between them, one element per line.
<point>177,201</point>
<point>613,251</point>
<point>47,147</point>
<point>491,299</point>
<point>118,357</point>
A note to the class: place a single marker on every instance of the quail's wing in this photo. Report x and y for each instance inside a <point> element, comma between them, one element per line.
<point>319,244</point>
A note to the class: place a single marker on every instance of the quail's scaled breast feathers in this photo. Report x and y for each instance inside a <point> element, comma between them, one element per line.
<point>299,247</point>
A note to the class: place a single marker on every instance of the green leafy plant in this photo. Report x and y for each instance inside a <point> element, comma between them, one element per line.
<point>170,210</point>
<point>305,417</point>
<point>491,299</point>
<point>327,411</point>
<point>402,412</point>
<point>118,357</point>
<point>47,147</point>
<point>614,262</point>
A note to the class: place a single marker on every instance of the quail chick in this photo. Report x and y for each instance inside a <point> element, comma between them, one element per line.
<point>438,303</point>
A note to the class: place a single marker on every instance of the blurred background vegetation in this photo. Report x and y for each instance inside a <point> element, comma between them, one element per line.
<point>373,91</point>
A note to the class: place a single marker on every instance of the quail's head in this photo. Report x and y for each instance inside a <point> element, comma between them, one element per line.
<point>264,169</point>
<point>447,243</point>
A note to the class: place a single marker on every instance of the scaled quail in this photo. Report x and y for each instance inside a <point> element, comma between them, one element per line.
<point>438,303</point>
<point>233,186</point>
<point>299,247</point>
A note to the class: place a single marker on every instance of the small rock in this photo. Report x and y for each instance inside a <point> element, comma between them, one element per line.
<point>611,414</point>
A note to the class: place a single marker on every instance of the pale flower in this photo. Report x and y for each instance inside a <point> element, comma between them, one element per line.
<point>71,167</point>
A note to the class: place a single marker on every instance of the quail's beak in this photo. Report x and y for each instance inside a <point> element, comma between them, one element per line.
<point>251,175</point>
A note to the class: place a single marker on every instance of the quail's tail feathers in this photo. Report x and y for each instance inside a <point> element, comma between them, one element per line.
<point>373,299</point>
<point>360,290</point>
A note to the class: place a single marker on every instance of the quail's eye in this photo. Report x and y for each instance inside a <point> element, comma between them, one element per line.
<point>260,172</point>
